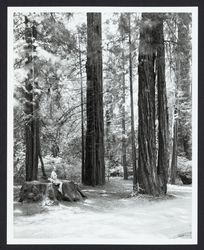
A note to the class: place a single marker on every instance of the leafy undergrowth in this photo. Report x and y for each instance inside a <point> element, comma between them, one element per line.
<point>184,165</point>
<point>65,170</point>
<point>109,215</point>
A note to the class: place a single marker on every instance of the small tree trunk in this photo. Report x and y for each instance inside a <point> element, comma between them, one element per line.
<point>108,147</point>
<point>35,148</point>
<point>41,161</point>
<point>174,155</point>
<point>50,102</point>
<point>134,163</point>
<point>29,150</point>
<point>124,161</point>
<point>82,117</point>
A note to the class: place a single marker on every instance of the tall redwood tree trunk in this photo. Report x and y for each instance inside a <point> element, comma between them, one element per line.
<point>147,169</point>
<point>94,161</point>
<point>31,108</point>
<point>152,175</point>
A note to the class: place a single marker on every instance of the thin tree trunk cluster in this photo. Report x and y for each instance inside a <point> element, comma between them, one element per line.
<point>182,75</point>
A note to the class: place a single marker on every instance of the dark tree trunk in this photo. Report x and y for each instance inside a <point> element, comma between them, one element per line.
<point>147,170</point>
<point>124,160</point>
<point>163,128</point>
<point>29,150</point>
<point>55,149</point>
<point>94,161</point>
<point>31,110</point>
<point>108,143</point>
<point>50,102</point>
<point>174,155</point>
<point>32,145</point>
<point>35,145</point>
<point>134,163</point>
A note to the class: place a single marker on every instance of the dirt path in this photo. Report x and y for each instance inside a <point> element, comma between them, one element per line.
<point>109,215</point>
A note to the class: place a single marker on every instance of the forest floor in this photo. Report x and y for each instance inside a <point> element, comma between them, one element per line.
<point>109,215</point>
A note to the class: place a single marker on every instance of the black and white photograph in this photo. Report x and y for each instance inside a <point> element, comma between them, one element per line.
<point>102,125</point>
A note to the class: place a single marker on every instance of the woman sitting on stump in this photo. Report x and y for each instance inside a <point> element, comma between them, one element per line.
<point>54,180</point>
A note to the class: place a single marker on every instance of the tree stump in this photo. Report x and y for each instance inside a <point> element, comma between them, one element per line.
<point>34,191</point>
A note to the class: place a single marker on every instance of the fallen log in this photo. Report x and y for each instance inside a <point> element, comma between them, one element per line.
<point>34,191</point>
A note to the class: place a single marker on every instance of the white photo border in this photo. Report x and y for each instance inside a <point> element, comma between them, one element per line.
<point>10,76</point>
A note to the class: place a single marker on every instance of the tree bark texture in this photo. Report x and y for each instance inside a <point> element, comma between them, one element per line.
<point>31,109</point>
<point>152,175</point>
<point>94,160</point>
<point>163,128</point>
<point>147,169</point>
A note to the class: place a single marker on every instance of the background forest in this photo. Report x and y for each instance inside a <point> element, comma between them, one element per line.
<point>142,100</point>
